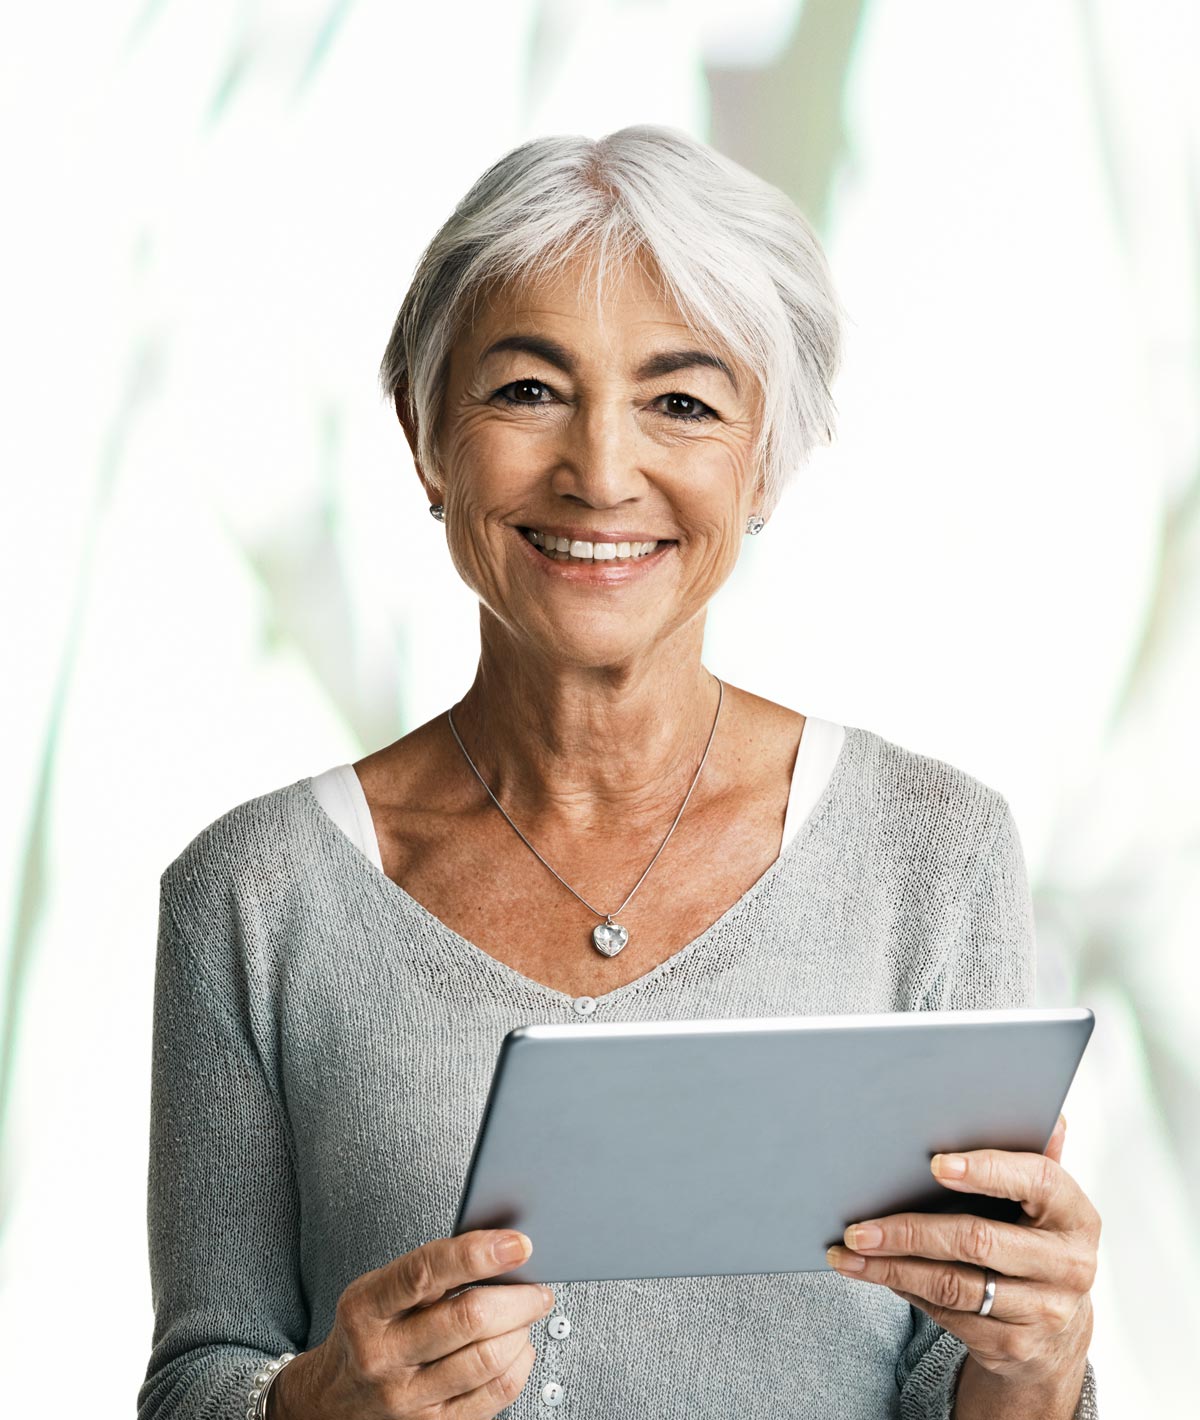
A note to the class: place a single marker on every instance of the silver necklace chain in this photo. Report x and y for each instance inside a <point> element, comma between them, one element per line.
<point>610,937</point>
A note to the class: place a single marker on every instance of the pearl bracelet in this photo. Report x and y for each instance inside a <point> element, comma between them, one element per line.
<point>257,1399</point>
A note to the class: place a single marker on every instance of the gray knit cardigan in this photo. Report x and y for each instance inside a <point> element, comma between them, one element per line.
<point>323,1046</point>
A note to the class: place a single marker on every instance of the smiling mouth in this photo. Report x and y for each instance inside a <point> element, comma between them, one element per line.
<point>587,554</point>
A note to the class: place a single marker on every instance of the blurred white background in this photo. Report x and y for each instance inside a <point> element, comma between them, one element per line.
<point>219,573</point>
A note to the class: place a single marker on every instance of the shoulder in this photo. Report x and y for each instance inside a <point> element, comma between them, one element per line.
<point>921,807</point>
<point>247,853</point>
<point>234,903</point>
<point>947,875</point>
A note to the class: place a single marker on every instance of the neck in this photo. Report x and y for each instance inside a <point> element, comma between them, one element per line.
<point>584,745</point>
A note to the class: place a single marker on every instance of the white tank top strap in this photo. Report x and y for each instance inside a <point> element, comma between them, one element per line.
<point>339,790</point>
<point>820,745</point>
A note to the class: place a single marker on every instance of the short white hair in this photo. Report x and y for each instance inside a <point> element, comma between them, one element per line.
<point>736,254</point>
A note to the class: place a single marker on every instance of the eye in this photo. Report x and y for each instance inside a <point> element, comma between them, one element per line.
<point>694,409</point>
<point>523,386</point>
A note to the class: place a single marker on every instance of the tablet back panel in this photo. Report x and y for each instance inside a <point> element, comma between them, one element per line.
<point>693,1148</point>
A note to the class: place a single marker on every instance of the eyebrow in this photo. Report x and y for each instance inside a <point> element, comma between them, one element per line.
<point>666,362</point>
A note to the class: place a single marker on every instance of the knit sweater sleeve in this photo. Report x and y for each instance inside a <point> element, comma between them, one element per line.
<point>222,1206</point>
<point>990,964</point>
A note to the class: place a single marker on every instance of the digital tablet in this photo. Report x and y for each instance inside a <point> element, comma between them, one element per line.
<point>706,1147</point>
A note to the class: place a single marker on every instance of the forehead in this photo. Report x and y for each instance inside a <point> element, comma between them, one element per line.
<point>569,317</point>
<point>634,305</point>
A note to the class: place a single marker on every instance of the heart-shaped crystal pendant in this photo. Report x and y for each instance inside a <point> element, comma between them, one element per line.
<point>609,938</point>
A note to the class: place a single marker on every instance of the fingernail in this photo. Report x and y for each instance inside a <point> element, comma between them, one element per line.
<point>547,1296</point>
<point>948,1165</point>
<point>512,1247</point>
<point>844,1260</point>
<point>863,1235</point>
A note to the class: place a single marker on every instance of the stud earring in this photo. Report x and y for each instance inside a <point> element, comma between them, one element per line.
<point>755,524</point>
<point>438,510</point>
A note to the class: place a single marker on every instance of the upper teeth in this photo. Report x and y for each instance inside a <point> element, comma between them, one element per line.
<point>591,551</point>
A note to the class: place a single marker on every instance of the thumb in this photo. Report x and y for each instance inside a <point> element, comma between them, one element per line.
<point>1055,1147</point>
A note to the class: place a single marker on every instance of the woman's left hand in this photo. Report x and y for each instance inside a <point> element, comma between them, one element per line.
<point>1043,1266</point>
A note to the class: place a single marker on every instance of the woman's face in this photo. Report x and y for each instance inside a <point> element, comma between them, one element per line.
<point>604,428</point>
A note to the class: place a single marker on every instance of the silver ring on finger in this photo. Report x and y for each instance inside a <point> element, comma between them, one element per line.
<point>989,1291</point>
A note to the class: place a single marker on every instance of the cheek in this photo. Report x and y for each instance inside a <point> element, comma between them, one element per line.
<point>491,461</point>
<point>711,553</point>
<point>721,466</point>
<point>711,491</point>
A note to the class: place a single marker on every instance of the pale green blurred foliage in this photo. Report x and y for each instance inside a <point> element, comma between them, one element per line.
<point>220,574</point>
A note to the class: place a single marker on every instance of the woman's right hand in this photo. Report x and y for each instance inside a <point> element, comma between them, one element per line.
<point>400,1348</point>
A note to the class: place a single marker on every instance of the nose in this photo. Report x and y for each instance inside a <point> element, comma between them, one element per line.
<point>598,462</point>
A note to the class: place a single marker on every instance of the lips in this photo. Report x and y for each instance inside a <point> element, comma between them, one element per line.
<point>577,547</point>
<point>604,570</point>
<point>592,535</point>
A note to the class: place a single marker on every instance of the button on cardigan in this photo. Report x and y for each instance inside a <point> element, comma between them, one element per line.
<point>323,1046</point>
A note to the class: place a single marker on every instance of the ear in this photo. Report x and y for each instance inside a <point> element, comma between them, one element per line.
<point>409,424</point>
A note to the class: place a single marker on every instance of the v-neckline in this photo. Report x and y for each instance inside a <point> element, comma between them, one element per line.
<point>358,860</point>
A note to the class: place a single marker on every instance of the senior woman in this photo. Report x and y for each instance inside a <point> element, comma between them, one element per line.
<point>609,360</point>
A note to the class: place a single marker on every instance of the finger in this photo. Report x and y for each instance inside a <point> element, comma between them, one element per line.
<point>495,1395</point>
<point>427,1273</point>
<point>1002,1342</point>
<point>1008,1248</point>
<point>430,1333</point>
<point>1054,1148</point>
<point>984,1335</point>
<point>958,1287</point>
<point>1049,1196</point>
<point>473,1370</point>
